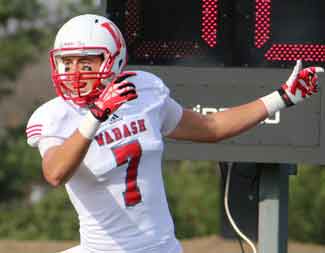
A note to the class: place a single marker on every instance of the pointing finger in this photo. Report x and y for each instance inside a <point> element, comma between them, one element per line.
<point>298,66</point>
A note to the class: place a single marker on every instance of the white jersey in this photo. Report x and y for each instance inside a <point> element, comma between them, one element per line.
<point>118,191</point>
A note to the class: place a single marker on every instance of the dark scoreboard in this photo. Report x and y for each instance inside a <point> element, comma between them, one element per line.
<point>214,54</point>
<point>222,32</point>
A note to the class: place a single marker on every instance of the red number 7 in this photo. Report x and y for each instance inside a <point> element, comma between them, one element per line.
<point>130,153</point>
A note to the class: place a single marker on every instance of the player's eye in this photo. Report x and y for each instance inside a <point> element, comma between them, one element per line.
<point>86,68</point>
<point>67,66</point>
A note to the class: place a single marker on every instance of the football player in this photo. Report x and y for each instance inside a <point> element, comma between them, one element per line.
<point>102,136</point>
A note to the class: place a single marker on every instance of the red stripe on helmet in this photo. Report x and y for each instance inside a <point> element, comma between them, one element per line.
<point>115,36</point>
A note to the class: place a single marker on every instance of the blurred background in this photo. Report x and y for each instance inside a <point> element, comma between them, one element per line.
<point>41,218</point>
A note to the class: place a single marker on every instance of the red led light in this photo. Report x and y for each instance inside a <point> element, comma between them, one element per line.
<point>209,22</point>
<point>281,52</point>
<point>263,22</point>
<point>293,52</point>
<point>167,50</point>
<point>132,24</point>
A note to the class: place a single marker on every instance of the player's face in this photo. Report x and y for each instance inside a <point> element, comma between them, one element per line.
<point>82,65</point>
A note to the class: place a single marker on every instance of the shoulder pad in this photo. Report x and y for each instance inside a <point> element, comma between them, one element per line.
<point>145,80</point>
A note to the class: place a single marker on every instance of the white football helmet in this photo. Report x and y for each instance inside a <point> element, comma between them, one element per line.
<point>86,35</point>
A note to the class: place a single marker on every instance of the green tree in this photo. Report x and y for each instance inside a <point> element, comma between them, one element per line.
<point>193,194</point>
<point>307,204</point>
<point>25,30</point>
<point>20,166</point>
<point>53,218</point>
<point>20,37</point>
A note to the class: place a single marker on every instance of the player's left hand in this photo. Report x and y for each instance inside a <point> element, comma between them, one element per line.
<point>301,84</point>
<point>113,96</point>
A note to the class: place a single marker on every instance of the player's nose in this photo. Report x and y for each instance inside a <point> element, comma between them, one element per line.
<point>74,66</point>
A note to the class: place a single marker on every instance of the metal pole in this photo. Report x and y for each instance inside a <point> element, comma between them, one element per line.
<point>273,209</point>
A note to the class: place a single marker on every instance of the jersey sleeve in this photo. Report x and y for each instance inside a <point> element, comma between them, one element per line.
<point>171,114</point>
<point>170,111</point>
<point>46,121</point>
<point>47,142</point>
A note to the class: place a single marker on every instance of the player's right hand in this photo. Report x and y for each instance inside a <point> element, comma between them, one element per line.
<point>301,84</point>
<point>113,96</point>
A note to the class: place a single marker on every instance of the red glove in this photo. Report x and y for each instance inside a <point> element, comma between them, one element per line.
<point>113,96</point>
<point>301,84</point>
